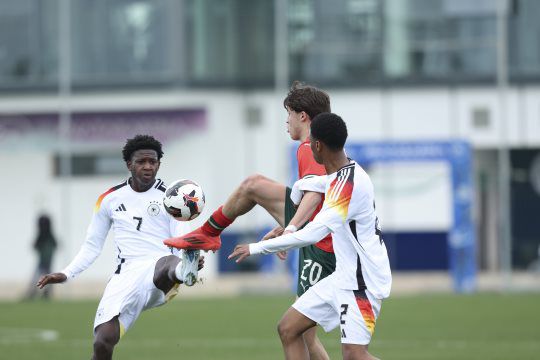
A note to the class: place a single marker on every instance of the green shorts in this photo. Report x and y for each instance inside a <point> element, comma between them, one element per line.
<point>314,264</point>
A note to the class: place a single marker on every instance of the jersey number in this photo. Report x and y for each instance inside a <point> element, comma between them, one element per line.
<point>314,273</point>
<point>139,222</point>
<point>378,231</point>
<point>344,308</point>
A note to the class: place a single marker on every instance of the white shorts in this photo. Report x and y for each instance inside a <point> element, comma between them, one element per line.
<point>355,311</point>
<point>129,293</point>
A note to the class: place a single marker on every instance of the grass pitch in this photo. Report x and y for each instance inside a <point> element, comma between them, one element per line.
<point>484,326</point>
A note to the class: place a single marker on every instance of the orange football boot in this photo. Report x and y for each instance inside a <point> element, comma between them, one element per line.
<point>195,240</point>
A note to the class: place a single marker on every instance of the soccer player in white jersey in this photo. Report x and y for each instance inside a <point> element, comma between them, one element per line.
<point>148,272</point>
<point>351,296</point>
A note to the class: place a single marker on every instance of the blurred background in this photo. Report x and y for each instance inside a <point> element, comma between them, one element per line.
<point>441,98</point>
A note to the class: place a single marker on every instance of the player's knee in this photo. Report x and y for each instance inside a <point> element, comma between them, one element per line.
<point>251,184</point>
<point>286,331</point>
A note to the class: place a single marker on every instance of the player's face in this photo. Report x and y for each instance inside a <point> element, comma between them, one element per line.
<point>315,149</point>
<point>294,123</point>
<point>143,166</point>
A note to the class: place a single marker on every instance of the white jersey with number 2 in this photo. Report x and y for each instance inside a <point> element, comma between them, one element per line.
<point>349,214</point>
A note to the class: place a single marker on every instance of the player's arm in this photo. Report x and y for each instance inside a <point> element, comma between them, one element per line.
<point>301,187</point>
<point>90,250</point>
<point>326,221</point>
<point>307,206</point>
<point>275,232</point>
<point>312,233</point>
<point>307,194</point>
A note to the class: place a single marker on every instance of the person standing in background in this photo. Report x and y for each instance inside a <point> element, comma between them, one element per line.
<point>45,246</point>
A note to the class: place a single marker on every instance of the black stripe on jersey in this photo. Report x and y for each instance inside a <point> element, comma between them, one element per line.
<point>114,188</point>
<point>344,176</point>
<point>359,276</point>
<point>122,260</point>
<point>352,225</point>
<point>162,187</point>
<point>351,164</point>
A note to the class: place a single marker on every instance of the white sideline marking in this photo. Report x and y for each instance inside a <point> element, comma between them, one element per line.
<point>26,335</point>
<point>231,343</point>
<point>23,336</point>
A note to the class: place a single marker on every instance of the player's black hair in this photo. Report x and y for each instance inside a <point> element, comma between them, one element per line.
<point>330,129</point>
<point>140,142</point>
<point>307,98</point>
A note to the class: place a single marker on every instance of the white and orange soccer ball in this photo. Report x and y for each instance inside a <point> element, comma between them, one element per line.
<point>184,200</point>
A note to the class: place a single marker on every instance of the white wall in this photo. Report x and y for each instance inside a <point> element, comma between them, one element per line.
<point>228,151</point>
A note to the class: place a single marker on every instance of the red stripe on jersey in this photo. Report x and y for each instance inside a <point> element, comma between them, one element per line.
<point>102,196</point>
<point>340,192</point>
<point>365,309</point>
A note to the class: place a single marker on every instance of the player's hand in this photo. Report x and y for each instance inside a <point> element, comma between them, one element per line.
<point>282,255</point>
<point>240,252</point>
<point>54,278</point>
<point>275,232</point>
<point>201,262</point>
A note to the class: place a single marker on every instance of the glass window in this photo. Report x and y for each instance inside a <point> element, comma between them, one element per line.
<point>440,39</point>
<point>28,46</point>
<point>230,42</point>
<point>122,41</point>
<point>359,42</point>
<point>524,47</point>
<point>335,42</point>
<point>205,43</point>
<point>92,164</point>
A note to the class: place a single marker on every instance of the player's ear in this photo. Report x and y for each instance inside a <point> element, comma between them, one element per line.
<point>304,116</point>
<point>318,145</point>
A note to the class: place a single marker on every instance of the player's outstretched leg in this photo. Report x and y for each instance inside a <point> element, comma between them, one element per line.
<point>201,238</point>
<point>254,190</point>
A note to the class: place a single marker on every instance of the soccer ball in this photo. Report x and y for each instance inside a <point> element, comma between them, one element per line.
<point>184,200</point>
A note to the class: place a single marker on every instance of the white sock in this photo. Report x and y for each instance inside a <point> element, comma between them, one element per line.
<point>178,271</point>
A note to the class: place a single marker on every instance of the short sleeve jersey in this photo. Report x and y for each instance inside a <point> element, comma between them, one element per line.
<point>307,166</point>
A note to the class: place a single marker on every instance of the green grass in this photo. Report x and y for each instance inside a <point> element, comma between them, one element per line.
<point>485,326</point>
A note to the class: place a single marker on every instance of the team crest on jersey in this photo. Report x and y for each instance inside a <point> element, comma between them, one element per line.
<point>153,208</point>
